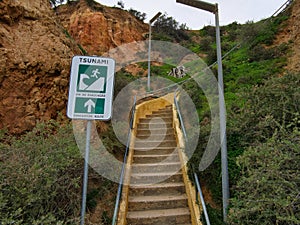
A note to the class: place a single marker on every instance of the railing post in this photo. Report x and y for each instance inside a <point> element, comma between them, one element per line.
<point>195,175</point>
<point>120,188</point>
<point>202,199</point>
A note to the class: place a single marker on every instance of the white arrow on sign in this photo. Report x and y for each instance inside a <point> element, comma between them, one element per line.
<point>89,104</point>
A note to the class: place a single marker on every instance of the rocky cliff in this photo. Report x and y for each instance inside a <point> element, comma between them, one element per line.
<point>34,64</point>
<point>98,28</point>
<point>36,47</point>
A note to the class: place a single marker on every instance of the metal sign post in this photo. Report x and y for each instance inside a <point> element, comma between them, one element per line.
<point>90,98</point>
<point>213,8</point>
<point>149,49</point>
<point>86,171</point>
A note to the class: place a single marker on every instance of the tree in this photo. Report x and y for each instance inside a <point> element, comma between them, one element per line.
<point>140,16</point>
<point>121,4</point>
<point>167,25</point>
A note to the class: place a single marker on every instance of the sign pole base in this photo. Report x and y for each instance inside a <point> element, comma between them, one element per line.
<point>86,171</point>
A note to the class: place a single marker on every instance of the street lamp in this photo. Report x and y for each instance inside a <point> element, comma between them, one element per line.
<point>149,49</point>
<point>213,8</point>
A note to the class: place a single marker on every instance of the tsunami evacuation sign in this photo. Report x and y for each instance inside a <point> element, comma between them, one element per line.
<point>91,88</point>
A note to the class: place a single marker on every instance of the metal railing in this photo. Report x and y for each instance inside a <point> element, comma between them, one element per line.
<point>283,7</point>
<point>198,186</point>
<point>120,188</point>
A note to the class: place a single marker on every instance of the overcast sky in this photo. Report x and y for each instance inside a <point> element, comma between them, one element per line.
<point>229,10</point>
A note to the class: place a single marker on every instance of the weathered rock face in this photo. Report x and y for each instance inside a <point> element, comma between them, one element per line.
<point>294,28</point>
<point>98,28</point>
<point>35,56</point>
<point>36,47</point>
<point>290,33</point>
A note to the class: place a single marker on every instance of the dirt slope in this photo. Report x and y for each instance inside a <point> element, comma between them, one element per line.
<point>291,34</point>
<point>99,28</point>
<point>34,64</point>
<point>36,51</point>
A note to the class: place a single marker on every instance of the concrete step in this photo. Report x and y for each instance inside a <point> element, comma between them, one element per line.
<point>154,137</point>
<point>160,216</point>
<point>148,132</point>
<point>154,178</point>
<point>160,114</point>
<point>156,151</point>
<point>169,107</point>
<point>157,189</point>
<point>165,109</point>
<point>138,203</point>
<point>155,120</point>
<point>139,159</point>
<point>157,116</point>
<point>151,126</point>
<point>155,144</point>
<point>156,167</point>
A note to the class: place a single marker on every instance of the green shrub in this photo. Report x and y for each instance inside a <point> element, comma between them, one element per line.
<point>40,176</point>
<point>259,52</point>
<point>272,106</point>
<point>140,16</point>
<point>168,28</point>
<point>268,191</point>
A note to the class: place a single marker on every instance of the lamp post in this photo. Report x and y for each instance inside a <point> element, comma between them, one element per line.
<point>213,8</point>
<point>149,48</point>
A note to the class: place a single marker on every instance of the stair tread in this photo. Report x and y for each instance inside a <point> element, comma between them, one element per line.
<point>156,174</point>
<point>151,141</point>
<point>155,128</point>
<point>161,112</point>
<point>159,198</point>
<point>156,122</point>
<point>156,155</point>
<point>154,135</point>
<point>156,164</point>
<point>161,115</point>
<point>158,213</point>
<point>162,147</point>
<point>167,130</point>
<point>160,185</point>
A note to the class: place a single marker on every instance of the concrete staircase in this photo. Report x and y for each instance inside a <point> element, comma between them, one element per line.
<point>157,192</point>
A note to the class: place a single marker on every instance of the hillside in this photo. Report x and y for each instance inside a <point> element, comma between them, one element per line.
<point>290,34</point>
<point>35,57</point>
<point>37,45</point>
<point>98,28</point>
<point>40,163</point>
<point>36,48</point>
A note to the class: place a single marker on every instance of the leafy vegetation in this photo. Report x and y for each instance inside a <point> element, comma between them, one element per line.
<point>166,28</point>
<point>40,176</point>
<point>262,112</point>
<point>268,190</point>
<point>267,186</point>
<point>139,15</point>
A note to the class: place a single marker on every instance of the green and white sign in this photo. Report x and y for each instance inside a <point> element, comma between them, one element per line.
<point>91,88</point>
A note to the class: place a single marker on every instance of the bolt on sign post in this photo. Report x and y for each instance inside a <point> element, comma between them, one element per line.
<point>90,98</point>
